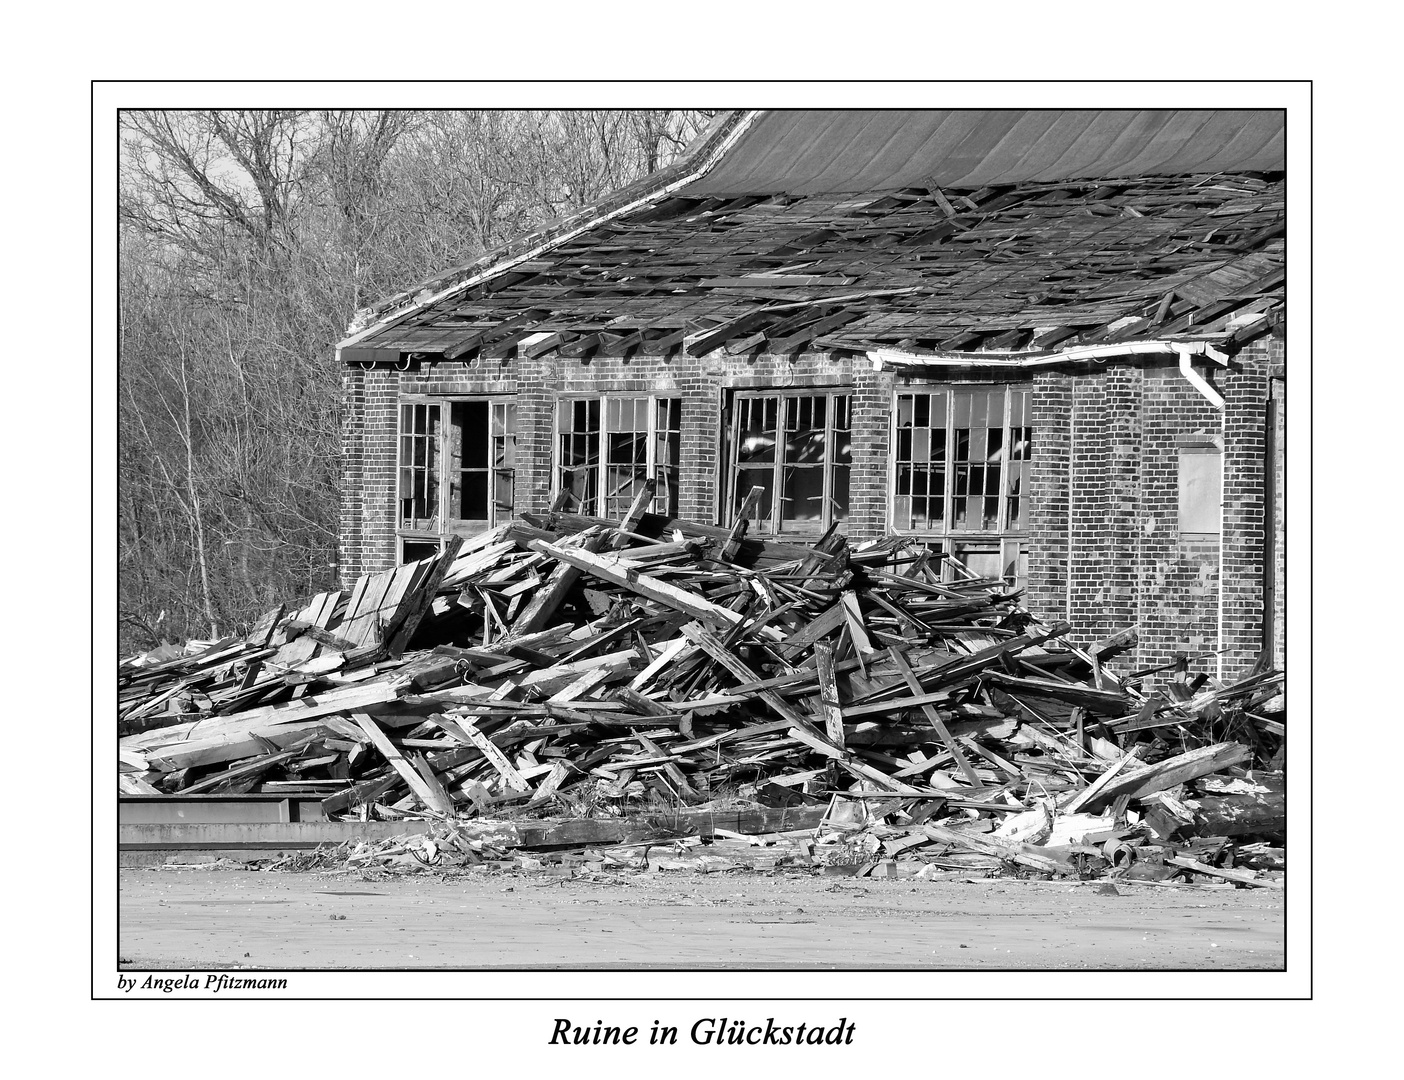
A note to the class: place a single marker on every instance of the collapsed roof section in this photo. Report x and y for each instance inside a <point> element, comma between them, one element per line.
<point>1022,266</point>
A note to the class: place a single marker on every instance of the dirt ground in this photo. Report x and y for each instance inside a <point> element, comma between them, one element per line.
<point>179,919</point>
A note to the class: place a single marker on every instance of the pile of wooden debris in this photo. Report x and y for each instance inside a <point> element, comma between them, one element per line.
<point>582,668</point>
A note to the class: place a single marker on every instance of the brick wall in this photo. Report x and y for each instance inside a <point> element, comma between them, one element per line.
<point>1104,475</point>
<point>350,543</point>
<point>369,429</point>
<point>1277,389</point>
<point>872,435</point>
<point>1049,494</point>
<point>1245,523</point>
<point>368,535</point>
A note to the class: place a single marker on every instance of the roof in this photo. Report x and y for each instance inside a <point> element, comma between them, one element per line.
<point>1008,256</point>
<point>806,152</point>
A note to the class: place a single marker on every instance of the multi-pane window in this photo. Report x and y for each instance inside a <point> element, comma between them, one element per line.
<point>457,461</point>
<point>796,448</point>
<point>961,470</point>
<point>606,447</point>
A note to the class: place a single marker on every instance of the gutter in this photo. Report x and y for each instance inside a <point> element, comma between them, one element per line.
<point>897,358</point>
<point>712,157</point>
<point>1186,350</point>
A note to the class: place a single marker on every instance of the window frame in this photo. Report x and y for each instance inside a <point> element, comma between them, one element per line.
<point>440,526</point>
<point>665,502</point>
<point>1012,543</point>
<point>731,497</point>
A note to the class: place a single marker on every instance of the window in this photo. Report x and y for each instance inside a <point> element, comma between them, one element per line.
<point>457,460</point>
<point>796,448</point>
<point>1201,485</point>
<point>960,473</point>
<point>606,447</point>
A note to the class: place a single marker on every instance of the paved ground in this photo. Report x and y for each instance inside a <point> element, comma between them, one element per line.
<point>195,918</point>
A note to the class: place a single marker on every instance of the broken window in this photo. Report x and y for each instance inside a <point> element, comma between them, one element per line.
<point>606,447</point>
<point>795,447</point>
<point>1201,475</point>
<point>960,472</point>
<point>456,466</point>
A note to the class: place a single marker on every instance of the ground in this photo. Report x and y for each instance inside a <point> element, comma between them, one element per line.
<point>182,919</point>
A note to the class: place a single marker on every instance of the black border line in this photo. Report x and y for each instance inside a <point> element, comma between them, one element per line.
<point>343,972</point>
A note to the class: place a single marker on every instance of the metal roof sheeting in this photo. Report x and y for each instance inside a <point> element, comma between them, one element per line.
<point>810,151</point>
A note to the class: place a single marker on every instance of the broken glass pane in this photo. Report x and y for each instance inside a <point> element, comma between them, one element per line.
<point>474,503</point>
<point>839,502</point>
<point>802,496</point>
<point>745,479</point>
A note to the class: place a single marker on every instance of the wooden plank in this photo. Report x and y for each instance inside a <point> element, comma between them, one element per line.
<point>544,604</point>
<point>670,767</point>
<point>358,625</point>
<point>269,716</point>
<point>1093,790</point>
<point>249,768</point>
<point>811,738</point>
<point>857,629</point>
<point>495,757</point>
<point>408,621</point>
<point>988,846</point>
<point>670,654</point>
<point>1246,877</point>
<point>623,572</point>
<point>548,787</point>
<point>434,800</point>
<point>188,755</point>
<point>1202,761</point>
<point>934,718</point>
<point>709,644</point>
<point>743,520</point>
<point>829,702</point>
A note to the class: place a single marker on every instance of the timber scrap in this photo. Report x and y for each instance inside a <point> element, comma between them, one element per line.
<point>562,667</point>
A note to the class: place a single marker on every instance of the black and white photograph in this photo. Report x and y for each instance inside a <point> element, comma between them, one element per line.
<point>615,547</point>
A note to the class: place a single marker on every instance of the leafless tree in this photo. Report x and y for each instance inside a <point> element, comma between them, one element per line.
<point>249,238</point>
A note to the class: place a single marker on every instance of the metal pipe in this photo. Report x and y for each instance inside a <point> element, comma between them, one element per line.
<point>882,357</point>
<point>1198,381</point>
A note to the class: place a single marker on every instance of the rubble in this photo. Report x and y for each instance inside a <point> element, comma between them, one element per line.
<point>563,682</point>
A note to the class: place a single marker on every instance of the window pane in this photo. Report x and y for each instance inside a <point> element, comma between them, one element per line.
<point>902,512</point>
<point>502,493</point>
<point>414,550</point>
<point>470,429</point>
<point>745,479</point>
<point>474,504</point>
<point>839,508</point>
<point>755,435</point>
<point>802,497</point>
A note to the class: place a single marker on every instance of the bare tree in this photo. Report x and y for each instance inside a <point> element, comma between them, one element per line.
<point>249,238</point>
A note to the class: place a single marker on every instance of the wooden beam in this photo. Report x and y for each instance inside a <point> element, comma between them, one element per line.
<point>495,756</point>
<point>934,718</point>
<point>743,518</point>
<point>718,652</point>
<point>828,692</point>
<point>1202,761</point>
<point>550,596</point>
<point>622,572</point>
<point>434,800</point>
